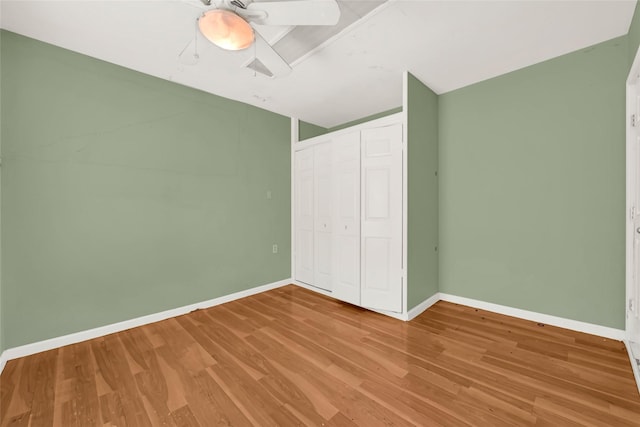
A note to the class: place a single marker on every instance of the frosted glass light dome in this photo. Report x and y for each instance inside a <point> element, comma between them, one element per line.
<point>225,29</point>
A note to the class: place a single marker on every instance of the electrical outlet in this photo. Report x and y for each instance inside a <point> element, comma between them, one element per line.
<point>275,249</point>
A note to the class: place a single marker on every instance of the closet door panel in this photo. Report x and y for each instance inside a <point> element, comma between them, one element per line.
<point>381,274</point>
<point>323,221</point>
<point>346,235</point>
<point>304,216</point>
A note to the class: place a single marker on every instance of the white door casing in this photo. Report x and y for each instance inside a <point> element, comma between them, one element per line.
<point>304,216</point>
<point>634,152</point>
<point>632,223</point>
<point>633,220</point>
<point>381,218</point>
<point>346,213</point>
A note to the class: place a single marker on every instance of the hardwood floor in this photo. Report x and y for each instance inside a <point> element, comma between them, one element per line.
<point>293,357</point>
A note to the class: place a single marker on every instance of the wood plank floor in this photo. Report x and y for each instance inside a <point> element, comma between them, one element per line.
<point>293,357</point>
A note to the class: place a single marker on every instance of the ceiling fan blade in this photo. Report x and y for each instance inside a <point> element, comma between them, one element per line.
<point>270,58</point>
<point>298,12</point>
<point>199,4</point>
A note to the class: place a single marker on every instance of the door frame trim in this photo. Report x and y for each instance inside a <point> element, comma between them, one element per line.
<point>633,79</point>
<point>295,138</point>
<point>632,83</point>
<point>405,193</point>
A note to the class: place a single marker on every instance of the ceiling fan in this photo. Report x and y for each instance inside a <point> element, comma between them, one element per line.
<point>229,24</point>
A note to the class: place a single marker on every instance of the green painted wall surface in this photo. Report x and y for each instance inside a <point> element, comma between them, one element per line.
<point>422,130</point>
<point>125,195</point>
<point>366,119</point>
<point>634,34</point>
<point>532,187</point>
<point>309,130</point>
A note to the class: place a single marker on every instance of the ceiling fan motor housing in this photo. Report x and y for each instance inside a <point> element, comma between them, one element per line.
<point>242,4</point>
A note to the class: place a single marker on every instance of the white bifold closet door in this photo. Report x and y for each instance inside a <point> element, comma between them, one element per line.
<point>346,213</point>
<point>381,226</point>
<point>304,216</point>
<point>323,223</point>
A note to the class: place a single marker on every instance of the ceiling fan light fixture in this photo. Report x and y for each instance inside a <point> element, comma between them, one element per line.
<point>225,29</point>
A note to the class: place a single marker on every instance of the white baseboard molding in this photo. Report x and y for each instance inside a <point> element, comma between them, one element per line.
<point>37,347</point>
<point>3,361</point>
<point>414,312</point>
<point>423,306</point>
<point>49,344</point>
<point>575,325</point>
<point>634,364</point>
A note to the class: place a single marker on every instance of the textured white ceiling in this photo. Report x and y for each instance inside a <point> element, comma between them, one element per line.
<point>446,44</point>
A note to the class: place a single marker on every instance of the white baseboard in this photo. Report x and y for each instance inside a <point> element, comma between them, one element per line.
<point>634,364</point>
<point>423,306</point>
<point>3,360</point>
<point>37,347</point>
<point>414,312</point>
<point>575,325</point>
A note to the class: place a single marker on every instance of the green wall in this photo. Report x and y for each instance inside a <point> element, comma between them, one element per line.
<point>366,119</point>
<point>634,34</point>
<point>422,135</point>
<point>532,195</point>
<point>309,130</point>
<point>125,195</point>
